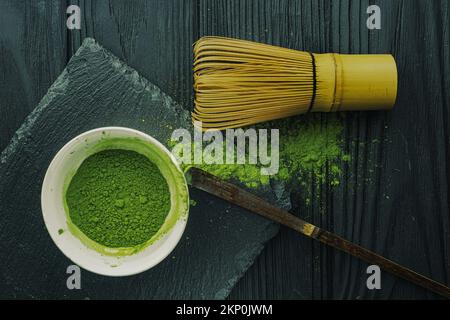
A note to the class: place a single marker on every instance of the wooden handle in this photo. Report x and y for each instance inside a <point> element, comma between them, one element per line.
<point>227,191</point>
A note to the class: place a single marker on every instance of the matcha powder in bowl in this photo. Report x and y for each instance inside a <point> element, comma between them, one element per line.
<point>121,196</point>
<point>118,198</point>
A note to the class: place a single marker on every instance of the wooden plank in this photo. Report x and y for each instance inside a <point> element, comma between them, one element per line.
<point>154,37</point>
<point>290,266</point>
<point>32,54</point>
<point>394,195</point>
<point>395,199</point>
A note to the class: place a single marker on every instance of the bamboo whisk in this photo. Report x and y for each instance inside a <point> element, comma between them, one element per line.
<point>239,83</point>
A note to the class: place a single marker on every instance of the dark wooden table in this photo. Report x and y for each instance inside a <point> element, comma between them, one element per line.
<point>394,196</point>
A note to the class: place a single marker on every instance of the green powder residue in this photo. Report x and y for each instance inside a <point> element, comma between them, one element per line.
<point>248,174</point>
<point>118,198</point>
<point>310,147</point>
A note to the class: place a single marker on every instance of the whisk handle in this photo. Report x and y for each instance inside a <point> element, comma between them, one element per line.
<point>351,82</point>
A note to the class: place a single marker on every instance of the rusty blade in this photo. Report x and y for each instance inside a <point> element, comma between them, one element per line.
<point>227,191</point>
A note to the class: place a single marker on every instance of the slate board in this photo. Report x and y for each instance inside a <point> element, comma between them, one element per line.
<point>96,89</point>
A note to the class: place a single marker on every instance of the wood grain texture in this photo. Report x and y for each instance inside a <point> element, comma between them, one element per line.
<point>395,199</point>
<point>291,266</point>
<point>154,37</point>
<point>32,55</point>
<point>394,193</point>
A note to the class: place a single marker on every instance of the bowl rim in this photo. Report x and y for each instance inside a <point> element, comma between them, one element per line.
<point>117,272</point>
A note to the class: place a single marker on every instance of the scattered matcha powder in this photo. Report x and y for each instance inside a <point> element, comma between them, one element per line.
<point>248,174</point>
<point>308,144</point>
<point>118,198</point>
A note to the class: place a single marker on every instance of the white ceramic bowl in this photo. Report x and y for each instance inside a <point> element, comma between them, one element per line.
<point>72,242</point>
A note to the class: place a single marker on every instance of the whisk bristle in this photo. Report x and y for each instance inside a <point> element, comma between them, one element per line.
<point>239,83</point>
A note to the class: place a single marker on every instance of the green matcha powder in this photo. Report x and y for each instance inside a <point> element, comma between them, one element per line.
<point>310,149</point>
<point>118,198</point>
